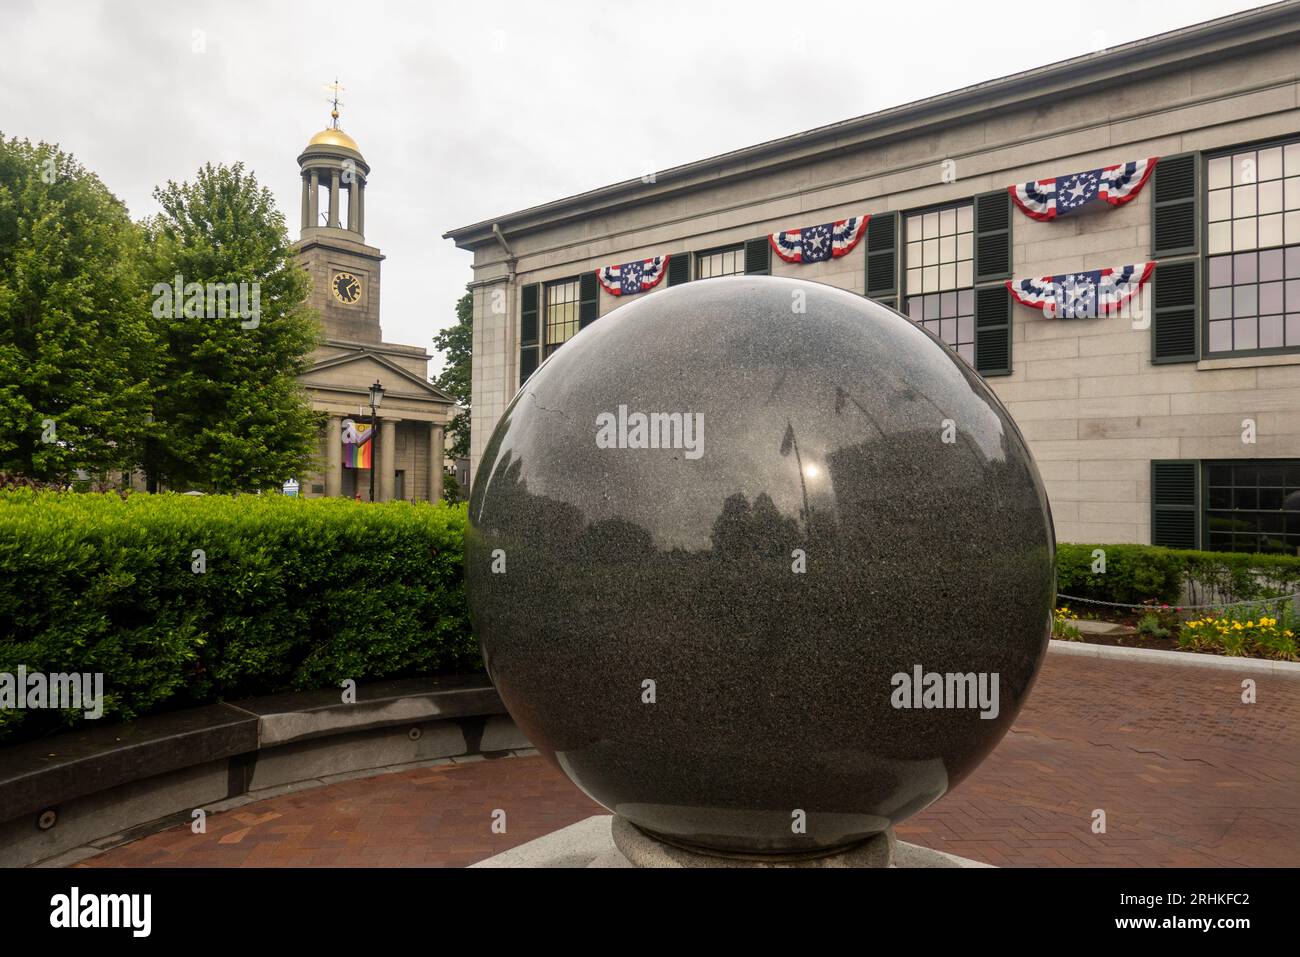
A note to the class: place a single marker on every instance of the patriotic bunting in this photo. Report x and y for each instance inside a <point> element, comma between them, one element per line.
<point>1082,295</point>
<point>1046,199</point>
<point>814,244</point>
<point>633,277</point>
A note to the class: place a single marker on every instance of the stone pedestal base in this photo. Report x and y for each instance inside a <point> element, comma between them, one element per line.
<point>590,843</point>
<point>642,850</point>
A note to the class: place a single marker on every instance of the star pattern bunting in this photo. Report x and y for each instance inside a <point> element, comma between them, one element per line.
<point>815,244</point>
<point>1046,199</point>
<point>1082,295</point>
<point>629,278</point>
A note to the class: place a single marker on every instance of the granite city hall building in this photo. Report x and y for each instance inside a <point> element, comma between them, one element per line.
<point>345,274</point>
<point>995,211</point>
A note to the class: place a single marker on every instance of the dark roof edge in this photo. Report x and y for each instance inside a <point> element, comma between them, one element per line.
<point>1080,71</point>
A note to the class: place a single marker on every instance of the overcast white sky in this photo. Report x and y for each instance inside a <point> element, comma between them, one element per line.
<point>472,110</point>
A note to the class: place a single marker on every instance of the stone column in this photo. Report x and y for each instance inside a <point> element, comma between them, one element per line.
<point>334,198</point>
<point>361,204</point>
<point>352,203</point>
<point>334,456</point>
<point>387,458</point>
<point>313,179</point>
<point>306,202</point>
<point>437,452</point>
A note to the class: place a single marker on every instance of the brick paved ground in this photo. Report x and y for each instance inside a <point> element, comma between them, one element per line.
<point>1186,773</point>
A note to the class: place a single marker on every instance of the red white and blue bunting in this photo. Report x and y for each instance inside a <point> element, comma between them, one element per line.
<point>1082,295</point>
<point>630,278</point>
<point>1046,199</point>
<point>814,244</point>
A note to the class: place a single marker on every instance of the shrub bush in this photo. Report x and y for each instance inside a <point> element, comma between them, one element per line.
<point>296,594</point>
<point>1134,573</point>
<point>1148,573</point>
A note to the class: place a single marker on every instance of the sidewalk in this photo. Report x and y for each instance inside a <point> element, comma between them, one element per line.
<point>1185,772</point>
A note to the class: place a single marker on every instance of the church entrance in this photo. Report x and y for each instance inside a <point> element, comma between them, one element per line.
<point>356,480</point>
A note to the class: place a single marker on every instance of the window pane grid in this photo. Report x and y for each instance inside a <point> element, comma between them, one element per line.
<point>561,313</point>
<point>1254,300</point>
<point>722,262</point>
<point>940,249</point>
<point>950,316</point>
<point>1253,244</point>
<point>1253,506</point>
<point>941,275</point>
<point>1253,199</point>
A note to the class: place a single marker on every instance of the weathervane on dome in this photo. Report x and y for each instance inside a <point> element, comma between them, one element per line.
<point>334,89</point>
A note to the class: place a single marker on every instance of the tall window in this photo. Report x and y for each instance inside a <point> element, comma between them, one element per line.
<point>720,262</point>
<point>561,312</point>
<point>940,292</point>
<point>1253,249</point>
<point>1253,506</point>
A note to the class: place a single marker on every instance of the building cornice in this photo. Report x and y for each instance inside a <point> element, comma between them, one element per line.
<point>391,348</point>
<point>1249,31</point>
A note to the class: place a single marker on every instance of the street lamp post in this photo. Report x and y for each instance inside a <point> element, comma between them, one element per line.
<point>376,397</point>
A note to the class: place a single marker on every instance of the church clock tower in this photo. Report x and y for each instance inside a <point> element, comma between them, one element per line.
<point>404,453</point>
<point>332,247</point>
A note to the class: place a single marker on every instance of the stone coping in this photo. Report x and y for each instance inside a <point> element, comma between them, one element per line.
<point>39,774</point>
<point>1182,659</point>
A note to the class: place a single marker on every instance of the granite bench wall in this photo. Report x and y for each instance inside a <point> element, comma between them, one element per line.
<point>102,782</point>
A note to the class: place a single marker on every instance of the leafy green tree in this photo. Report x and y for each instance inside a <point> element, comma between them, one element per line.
<point>76,352</point>
<point>230,307</point>
<point>451,490</point>
<point>456,343</point>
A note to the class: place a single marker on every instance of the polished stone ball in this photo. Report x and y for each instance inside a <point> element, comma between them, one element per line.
<point>761,565</point>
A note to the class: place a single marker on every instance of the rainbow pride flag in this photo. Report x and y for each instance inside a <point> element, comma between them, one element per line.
<point>357,455</point>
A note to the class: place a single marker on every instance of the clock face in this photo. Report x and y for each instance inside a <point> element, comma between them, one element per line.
<point>346,287</point>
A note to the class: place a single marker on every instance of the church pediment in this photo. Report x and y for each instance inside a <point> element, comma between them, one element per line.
<point>355,370</point>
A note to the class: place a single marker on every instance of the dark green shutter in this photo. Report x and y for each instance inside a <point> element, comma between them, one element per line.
<point>992,236</point>
<point>758,257</point>
<point>882,258</point>
<point>993,330</point>
<point>679,268</point>
<point>1174,320</point>
<point>528,331</point>
<point>1175,285</point>
<point>1175,503</point>
<point>588,299</point>
<point>1173,211</point>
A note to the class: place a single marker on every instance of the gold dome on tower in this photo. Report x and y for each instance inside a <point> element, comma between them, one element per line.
<point>333,136</point>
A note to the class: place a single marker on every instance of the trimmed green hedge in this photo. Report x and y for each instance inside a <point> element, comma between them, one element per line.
<point>1138,573</point>
<point>302,593</point>
<point>296,594</point>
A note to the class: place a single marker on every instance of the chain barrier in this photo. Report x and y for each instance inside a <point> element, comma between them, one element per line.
<point>1231,604</point>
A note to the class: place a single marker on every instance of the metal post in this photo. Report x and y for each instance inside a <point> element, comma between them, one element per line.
<point>374,450</point>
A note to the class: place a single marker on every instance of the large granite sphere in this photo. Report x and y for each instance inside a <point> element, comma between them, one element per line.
<point>748,559</point>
